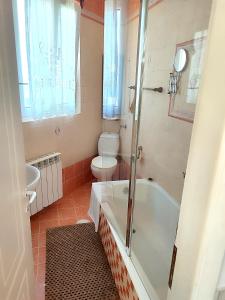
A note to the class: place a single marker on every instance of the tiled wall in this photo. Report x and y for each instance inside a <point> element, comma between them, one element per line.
<point>133,7</point>
<point>120,274</point>
<point>80,173</point>
<point>165,140</point>
<point>94,6</point>
<point>123,171</point>
<point>76,175</point>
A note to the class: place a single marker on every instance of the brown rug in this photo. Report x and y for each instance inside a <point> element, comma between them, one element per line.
<point>76,265</point>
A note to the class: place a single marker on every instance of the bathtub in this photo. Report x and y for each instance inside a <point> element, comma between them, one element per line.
<point>154,222</point>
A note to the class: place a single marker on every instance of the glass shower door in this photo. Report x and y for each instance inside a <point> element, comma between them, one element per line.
<point>120,47</point>
<point>167,84</point>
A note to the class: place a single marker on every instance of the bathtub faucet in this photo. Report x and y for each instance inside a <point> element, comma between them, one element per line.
<point>139,152</point>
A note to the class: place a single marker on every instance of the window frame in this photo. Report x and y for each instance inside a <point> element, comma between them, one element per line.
<point>20,64</point>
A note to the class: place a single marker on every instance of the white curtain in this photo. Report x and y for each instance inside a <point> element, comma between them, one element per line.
<point>114,35</point>
<point>47,49</point>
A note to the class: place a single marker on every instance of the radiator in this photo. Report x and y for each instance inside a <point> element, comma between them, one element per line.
<point>49,188</point>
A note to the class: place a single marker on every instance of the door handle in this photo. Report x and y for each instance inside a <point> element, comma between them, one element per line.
<point>32,196</point>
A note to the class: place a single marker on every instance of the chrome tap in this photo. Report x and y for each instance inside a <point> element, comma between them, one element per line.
<point>140,149</point>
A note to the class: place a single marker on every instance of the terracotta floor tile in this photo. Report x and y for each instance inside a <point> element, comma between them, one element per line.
<point>35,240</point>
<point>35,270</point>
<point>40,291</point>
<point>66,203</point>
<point>41,255</point>
<point>81,192</point>
<point>82,212</point>
<point>48,224</point>
<point>68,197</point>
<point>67,213</point>
<point>65,198</point>
<point>68,221</point>
<point>41,273</point>
<point>50,214</point>
<point>35,217</point>
<point>35,255</point>
<point>34,226</point>
<point>42,239</point>
<point>56,204</point>
<point>82,202</point>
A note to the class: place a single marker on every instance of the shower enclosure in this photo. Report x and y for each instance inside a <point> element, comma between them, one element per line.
<point>163,55</point>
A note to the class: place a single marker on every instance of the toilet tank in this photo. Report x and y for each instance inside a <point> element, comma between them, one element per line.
<point>108,144</point>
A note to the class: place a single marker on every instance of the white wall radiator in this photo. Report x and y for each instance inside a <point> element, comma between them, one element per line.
<point>49,188</point>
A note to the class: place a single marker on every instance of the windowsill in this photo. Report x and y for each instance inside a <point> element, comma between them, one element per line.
<point>110,119</point>
<point>50,118</point>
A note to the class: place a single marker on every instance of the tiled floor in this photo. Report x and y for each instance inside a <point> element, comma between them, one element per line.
<point>65,211</point>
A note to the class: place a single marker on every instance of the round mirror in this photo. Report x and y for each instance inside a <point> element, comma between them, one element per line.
<point>180,60</point>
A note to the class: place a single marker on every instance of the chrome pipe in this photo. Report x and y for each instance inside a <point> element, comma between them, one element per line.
<point>136,117</point>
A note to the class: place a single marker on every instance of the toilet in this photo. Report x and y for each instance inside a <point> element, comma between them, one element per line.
<point>104,165</point>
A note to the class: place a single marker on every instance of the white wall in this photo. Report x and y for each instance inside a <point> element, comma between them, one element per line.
<point>79,134</point>
<point>201,234</point>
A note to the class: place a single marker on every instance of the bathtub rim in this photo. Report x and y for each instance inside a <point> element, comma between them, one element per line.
<point>153,183</point>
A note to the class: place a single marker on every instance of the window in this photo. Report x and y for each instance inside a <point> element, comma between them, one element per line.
<point>47,42</point>
<point>113,59</point>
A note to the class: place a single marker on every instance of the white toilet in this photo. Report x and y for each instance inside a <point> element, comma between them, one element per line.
<point>104,165</point>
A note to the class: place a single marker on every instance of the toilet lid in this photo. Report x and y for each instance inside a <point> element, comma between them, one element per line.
<point>104,162</point>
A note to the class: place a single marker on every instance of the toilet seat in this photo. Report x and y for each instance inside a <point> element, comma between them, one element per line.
<point>104,162</point>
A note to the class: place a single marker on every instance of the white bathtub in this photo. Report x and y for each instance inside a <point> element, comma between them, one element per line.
<point>155,221</point>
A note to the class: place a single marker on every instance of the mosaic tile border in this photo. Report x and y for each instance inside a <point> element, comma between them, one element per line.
<point>120,274</point>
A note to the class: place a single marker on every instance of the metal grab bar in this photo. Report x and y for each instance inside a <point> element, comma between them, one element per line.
<point>158,89</point>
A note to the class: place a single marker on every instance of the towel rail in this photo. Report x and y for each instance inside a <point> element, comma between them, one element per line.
<point>157,89</point>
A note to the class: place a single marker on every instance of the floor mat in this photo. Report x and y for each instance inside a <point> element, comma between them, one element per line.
<point>76,265</point>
